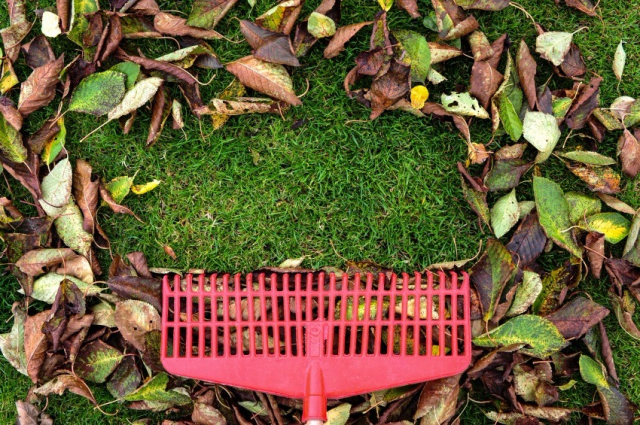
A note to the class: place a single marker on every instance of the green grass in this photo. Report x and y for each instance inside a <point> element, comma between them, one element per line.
<point>340,187</point>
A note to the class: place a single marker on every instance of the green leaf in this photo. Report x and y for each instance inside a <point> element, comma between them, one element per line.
<point>506,174</point>
<point>633,115</point>
<point>125,379</point>
<point>207,13</point>
<point>463,104</point>
<point>339,415</point>
<point>418,53</point>
<point>98,93</point>
<point>96,361</point>
<point>130,69</point>
<point>56,188</point>
<point>478,201</point>
<point>561,106</point>
<point>320,25</point>
<point>619,60</point>
<point>12,343</point>
<point>141,189</point>
<point>54,146</point>
<point>526,294</point>
<point>505,214</point>
<point>541,336</point>
<point>542,131</point>
<point>581,206</point>
<point>155,390</point>
<point>69,228</point>
<point>11,141</point>
<point>554,46</point>
<point>119,187</point>
<point>509,118</point>
<point>612,225</point>
<point>46,287</point>
<point>490,275</point>
<point>553,211</point>
<point>588,157</point>
<point>593,372</point>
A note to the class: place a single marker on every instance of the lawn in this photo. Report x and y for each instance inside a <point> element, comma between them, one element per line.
<point>260,190</point>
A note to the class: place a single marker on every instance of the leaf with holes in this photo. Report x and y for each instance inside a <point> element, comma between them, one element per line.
<point>135,319</point>
<point>463,104</point>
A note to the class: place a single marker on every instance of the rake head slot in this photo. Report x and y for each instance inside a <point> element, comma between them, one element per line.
<point>315,336</point>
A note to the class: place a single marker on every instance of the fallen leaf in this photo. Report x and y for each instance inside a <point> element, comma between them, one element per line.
<point>155,390</point>
<point>56,189</point>
<point>505,214</point>
<point>588,157</point>
<point>585,6</point>
<point>145,289</point>
<point>281,17</point>
<point>528,241</point>
<point>168,24</point>
<point>556,284</point>
<point>584,105</point>
<point>268,78</point>
<point>134,319</point>
<point>28,414</point>
<point>140,94</point>
<point>438,400</point>
<point>631,250</point>
<point>506,174</point>
<point>38,52</point>
<point>54,146</point>
<point>576,317</point>
<point>207,13</point>
<point>125,379</point>
<point>581,206</point>
<point>527,72</point>
<point>553,211</point>
<point>389,88</point>
<point>619,59</point>
<point>451,21</point>
<point>170,252</point>
<point>410,6</point>
<point>542,131</point>
<point>612,225</point>
<point>526,294</point>
<point>617,408</point>
<point>60,383</point>
<point>478,202</point>
<point>484,82</point>
<point>33,262</point>
<point>463,104</point>
<point>490,274</point>
<point>341,37</point>
<point>35,344</point>
<point>11,140</point>
<point>418,54</point>
<point>492,5</point>
<point>594,245</point>
<point>602,179</point>
<point>69,226</point>
<point>96,361</point>
<point>629,151</point>
<point>320,26</point>
<point>98,93</point>
<point>40,88</point>
<point>480,46</point>
<point>12,343</point>
<point>573,65</point>
<point>554,46</point>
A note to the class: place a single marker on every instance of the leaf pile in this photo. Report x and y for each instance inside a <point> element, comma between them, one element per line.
<point>526,320</point>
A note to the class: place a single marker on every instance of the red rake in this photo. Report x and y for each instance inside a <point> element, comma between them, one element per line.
<point>292,335</point>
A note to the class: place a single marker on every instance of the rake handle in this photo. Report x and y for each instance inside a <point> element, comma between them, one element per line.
<point>314,405</point>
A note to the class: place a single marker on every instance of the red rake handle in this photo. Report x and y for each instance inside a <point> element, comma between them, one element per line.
<point>316,336</point>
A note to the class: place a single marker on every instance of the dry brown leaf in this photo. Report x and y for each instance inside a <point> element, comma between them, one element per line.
<point>341,37</point>
<point>629,149</point>
<point>527,72</point>
<point>485,81</point>
<point>169,24</point>
<point>40,88</point>
<point>35,343</point>
<point>594,245</point>
<point>170,252</point>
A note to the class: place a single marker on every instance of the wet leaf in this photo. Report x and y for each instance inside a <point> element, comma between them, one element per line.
<point>140,94</point>
<point>542,131</point>
<point>554,46</point>
<point>490,275</point>
<point>541,336</point>
<point>12,343</point>
<point>619,60</point>
<point>463,104</point>
<point>207,13</point>
<point>418,53</point>
<point>617,408</point>
<point>40,88</point>
<point>96,361</point>
<point>155,390</point>
<point>98,93</point>
<point>526,293</point>
<point>135,319</point>
<point>268,78</point>
<point>553,210</point>
<point>581,206</point>
<point>56,188</point>
<point>612,225</point>
<point>505,214</point>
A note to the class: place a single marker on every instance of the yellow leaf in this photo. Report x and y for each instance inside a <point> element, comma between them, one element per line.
<point>385,4</point>
<point>419,95</point>
<point>141,189</point>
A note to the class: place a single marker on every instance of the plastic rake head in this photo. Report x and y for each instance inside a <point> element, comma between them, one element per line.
<point>316,336</point>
